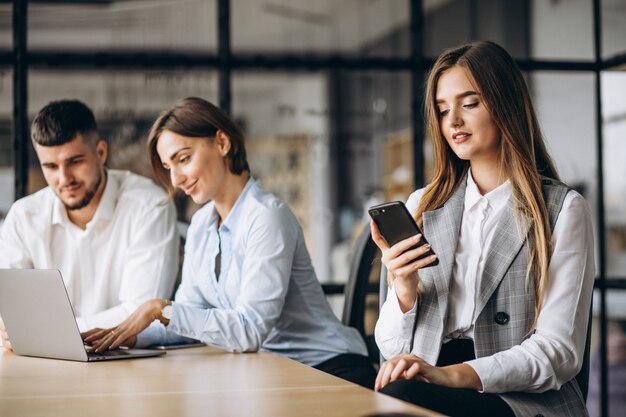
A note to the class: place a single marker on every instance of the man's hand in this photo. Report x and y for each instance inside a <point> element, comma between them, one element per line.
<point>126,333</point>
<point>5,336</point>
<point>408,366</point>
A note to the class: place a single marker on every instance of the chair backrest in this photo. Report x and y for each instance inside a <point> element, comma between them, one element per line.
<point>582,378</point>
<point>382,295</point>
<point>358,281</point>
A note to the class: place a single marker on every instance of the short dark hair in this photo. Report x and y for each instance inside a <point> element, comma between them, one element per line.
<point>196,118</point>
<point>60,121</point>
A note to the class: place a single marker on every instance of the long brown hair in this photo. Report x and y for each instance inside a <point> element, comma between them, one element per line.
<point>523,154</point>
<point>196,118</point>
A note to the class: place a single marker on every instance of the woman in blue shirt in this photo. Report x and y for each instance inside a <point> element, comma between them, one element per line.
<point>248,283</point>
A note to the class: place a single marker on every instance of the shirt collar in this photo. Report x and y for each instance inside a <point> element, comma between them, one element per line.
<point>231,219</point>
<point>496,197</point>
<point>105,209</point>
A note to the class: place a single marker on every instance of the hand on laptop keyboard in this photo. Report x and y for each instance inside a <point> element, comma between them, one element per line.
<point>97,340</point>
<point>126,333</point>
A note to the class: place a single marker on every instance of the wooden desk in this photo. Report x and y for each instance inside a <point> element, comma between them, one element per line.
<point>202,381</point>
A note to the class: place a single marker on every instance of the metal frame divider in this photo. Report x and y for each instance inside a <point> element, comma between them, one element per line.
<point>597,43</point>
<point>20,97</point>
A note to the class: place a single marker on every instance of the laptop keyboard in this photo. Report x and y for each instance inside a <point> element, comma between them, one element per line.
<point>108,353</point>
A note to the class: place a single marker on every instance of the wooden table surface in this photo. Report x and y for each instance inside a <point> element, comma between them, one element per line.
<point>202,381</point>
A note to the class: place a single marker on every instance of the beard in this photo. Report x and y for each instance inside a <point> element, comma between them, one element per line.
<point>89,194</point>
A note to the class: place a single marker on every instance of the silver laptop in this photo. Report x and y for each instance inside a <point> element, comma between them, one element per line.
<point>40,321</point>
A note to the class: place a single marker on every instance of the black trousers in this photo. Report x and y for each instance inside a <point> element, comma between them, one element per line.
<point>450,401</point>
<point>351,367</point>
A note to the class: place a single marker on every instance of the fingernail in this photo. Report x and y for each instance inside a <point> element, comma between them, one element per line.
<point>427,246</point>
<point>417,237</point>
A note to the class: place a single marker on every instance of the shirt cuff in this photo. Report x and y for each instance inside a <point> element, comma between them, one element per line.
<point>484,368</point>
<point>405,319</point>
<point>183,320</point>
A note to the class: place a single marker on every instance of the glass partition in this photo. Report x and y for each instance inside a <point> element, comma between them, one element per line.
<point>6,26</point>
<point>147,25</point>
<point>455,22</point>
<point>347,27</point>
<point>614,121</point>
<point>561,30</point>
<point>565,107</point>
<point>613,27</point>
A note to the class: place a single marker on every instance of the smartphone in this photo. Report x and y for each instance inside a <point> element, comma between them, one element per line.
<point>396,224</point>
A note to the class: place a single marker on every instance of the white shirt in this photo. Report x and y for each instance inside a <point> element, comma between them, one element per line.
<point>267,296</point>
<point>478,227</point>
<point>553,354</point>
<point>127,254</point>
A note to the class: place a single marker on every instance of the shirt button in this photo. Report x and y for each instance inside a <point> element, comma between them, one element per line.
<point>502,318</point>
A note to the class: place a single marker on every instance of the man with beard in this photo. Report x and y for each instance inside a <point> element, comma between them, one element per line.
<point>111,233</point>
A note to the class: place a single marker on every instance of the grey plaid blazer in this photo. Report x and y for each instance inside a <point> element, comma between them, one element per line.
<point>503,289</point>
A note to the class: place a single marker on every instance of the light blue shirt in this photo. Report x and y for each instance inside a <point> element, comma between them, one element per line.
<point>267,296</point>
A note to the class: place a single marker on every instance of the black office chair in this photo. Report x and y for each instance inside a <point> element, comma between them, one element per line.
<point>582,378</point>
<point>357,288</point>
<point>382,296</point>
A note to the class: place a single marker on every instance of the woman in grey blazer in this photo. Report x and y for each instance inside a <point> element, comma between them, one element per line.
<point>498,326</point>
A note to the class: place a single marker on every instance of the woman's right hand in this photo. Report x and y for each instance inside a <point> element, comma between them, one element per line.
<point>125,334</point>
<point>403,264</point>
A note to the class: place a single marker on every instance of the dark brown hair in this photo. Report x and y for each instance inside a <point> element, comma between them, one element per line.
<point>60,121</point>
<point>196,118</point>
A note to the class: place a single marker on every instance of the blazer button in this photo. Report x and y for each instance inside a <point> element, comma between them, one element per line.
<point>502,318</point>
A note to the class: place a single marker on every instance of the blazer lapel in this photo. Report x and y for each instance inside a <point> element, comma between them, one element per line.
<point>509,237</point>
<point>441,228</point>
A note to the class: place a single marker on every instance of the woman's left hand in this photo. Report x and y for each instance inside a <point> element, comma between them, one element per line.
<point>125,334</point>
<point>407,366</point>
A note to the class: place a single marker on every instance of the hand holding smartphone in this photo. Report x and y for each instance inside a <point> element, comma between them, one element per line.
<point>396,224</point>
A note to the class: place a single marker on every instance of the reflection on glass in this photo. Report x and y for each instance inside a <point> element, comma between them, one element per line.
<point>123,25</point>
<point>351,27</point>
